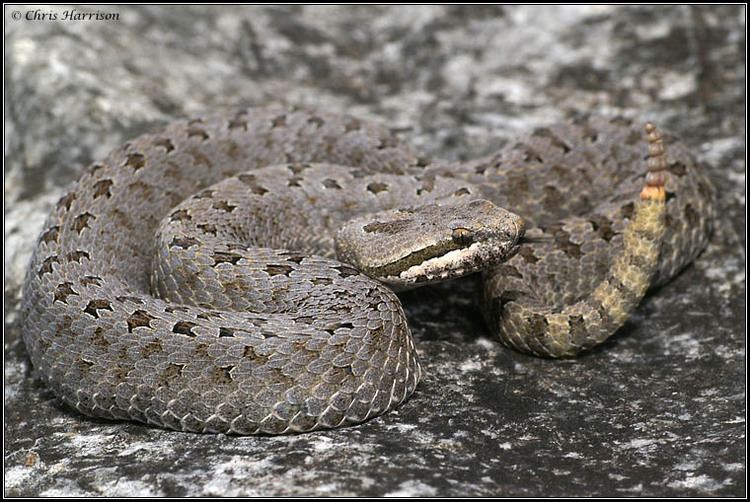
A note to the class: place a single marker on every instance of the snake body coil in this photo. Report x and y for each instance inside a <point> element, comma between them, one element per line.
<point>228,312</point>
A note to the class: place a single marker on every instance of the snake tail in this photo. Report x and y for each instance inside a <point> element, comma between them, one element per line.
<point>533,326</point>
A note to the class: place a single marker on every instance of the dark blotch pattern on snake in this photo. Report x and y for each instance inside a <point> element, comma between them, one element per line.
<point>189,280</point>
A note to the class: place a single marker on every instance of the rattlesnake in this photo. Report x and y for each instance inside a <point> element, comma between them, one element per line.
<point>189,279</point>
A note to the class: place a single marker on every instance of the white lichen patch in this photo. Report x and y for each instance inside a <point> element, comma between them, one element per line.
<point>413,488</point>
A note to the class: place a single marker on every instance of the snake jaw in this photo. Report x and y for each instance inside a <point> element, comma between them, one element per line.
<point>454,264</point>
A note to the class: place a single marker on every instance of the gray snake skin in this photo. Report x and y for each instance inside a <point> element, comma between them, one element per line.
<point>190,280</point>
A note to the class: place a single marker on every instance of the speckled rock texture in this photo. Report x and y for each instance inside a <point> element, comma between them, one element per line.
<point>657,411</point>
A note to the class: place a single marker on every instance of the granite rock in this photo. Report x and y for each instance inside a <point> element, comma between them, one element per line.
<point>657,411</point>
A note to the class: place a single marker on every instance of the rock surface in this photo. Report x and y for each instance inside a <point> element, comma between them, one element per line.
<point>658,411</point>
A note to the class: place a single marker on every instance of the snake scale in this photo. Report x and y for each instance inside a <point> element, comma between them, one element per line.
<point>190,279</point>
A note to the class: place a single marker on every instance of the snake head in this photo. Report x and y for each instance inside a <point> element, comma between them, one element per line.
<point>405,248</point>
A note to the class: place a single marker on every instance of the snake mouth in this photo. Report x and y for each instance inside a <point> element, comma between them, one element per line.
<point>456,263</point>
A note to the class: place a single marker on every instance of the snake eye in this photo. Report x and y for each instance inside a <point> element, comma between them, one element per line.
<point>462,236</point>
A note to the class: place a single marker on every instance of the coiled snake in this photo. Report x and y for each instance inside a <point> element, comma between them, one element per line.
<point>189,280</point>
